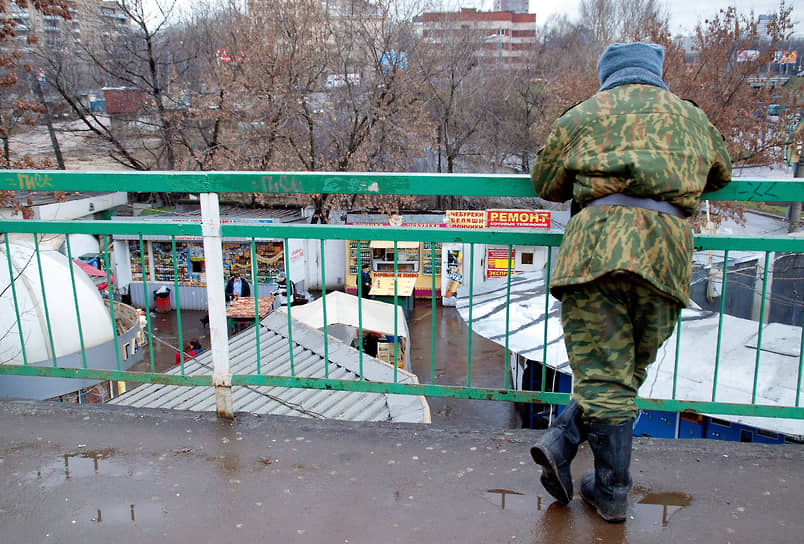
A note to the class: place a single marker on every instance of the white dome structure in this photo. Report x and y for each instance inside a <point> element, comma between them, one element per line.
<point>19,257</point>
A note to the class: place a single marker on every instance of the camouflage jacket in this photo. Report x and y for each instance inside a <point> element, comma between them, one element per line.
<point>642,141</point>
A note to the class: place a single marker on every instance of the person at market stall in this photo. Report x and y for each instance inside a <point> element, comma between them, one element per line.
<point>365,280</point>
<point>285,289</point>
<point>635,159</point>
<point>237,287</point>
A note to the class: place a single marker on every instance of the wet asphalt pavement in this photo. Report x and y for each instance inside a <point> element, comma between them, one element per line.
<point>88,473</point>
<point>449,367</point>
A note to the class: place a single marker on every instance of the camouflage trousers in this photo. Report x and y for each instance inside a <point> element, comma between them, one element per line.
<point>613,327</point>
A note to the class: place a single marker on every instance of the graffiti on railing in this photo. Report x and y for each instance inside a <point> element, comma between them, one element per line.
<point>277,184</point>
<point>30,182</point>
<point>758,193</point>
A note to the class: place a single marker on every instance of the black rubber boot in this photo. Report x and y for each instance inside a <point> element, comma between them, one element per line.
<point>606,488</point>
<point>556,450</point>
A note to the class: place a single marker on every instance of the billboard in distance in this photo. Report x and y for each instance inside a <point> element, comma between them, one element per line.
<point>784,57</point>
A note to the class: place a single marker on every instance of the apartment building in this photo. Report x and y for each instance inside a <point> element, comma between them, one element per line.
<point>90,20</point>
<point>343,25</point>
<point>506,36</point>
<point>517,6</point>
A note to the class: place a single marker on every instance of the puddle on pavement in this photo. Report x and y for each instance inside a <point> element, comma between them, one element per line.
<point>514,501</point>
<point>647,511</point>
<point>660,505</point>
<point>80,464</point>
<point>129,513</point>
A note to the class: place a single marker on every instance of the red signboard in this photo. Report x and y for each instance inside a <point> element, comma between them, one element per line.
<point>518,218</point>
<point>497,262</point>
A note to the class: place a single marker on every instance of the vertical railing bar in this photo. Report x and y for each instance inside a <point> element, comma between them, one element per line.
<point>256,301</point>
<point>720,322</point>
<point>396,307</point>
<point>13,282</point>
<point>178,302</point>
<point>324,306</point>
<point>289,301</point>
<point>471,293</point>
<point>507,358</point>
<point>359,285</point>
<point>546,319</point>
<point>432,325</point>
<point>765,275</point>
<point>675,362</point>
<point>107,263</point>
<point>800,362</point>
<point>145,297</point>
<point>75,301</point>
<point>676,358</point>
<point>44,301</point>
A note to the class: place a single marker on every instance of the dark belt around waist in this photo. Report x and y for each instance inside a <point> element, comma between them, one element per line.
<point>620,199</point>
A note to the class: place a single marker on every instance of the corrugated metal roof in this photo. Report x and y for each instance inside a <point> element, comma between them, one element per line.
<point>228,213</point>
<point>308,362</point>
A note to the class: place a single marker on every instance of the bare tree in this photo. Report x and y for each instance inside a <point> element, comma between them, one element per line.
<point>449,59</point>
<point>725,73</point>
<point>138,56</point>
<point>17,106</point>
<point>624,21</point>
<point>294,86</point>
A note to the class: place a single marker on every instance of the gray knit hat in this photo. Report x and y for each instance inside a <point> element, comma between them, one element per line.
<point>624,63</point>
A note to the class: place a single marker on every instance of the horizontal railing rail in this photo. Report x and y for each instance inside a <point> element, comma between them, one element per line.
<point>209,184</point>
<point>764,190</point>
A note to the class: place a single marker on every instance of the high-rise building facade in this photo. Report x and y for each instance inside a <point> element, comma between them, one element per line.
<point>514,6</point>
<point>507,37</point>
<point>90,20</point>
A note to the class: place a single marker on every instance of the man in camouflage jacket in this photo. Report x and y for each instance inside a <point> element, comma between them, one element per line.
<point>635,158</point>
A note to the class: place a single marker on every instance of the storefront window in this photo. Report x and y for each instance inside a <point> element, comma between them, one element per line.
<point>136,260</point>
<point>270,259</point>
<point>383,257</point>
<point>427,258</point>
<point>191,265</point>
<point>365,254</point>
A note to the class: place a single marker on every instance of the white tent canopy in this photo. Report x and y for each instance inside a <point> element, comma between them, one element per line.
<point>778,360</point>
<point>342,308</point>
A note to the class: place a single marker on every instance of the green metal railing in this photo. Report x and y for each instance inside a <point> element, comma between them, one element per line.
<point>213,183</point>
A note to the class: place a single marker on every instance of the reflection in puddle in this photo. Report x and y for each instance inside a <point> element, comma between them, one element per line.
<point>503,493</point>
<point>126,513</point>
<point>669,504</point>
<point>512,500</point>
<point>81,464</point>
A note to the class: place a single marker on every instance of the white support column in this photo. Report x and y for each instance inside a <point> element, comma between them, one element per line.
<point>216,303</point>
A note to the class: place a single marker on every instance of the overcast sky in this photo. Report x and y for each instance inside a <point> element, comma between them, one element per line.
<point>684,14</point>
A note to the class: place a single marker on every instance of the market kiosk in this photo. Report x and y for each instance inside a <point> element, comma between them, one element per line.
<point>414,260</point>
